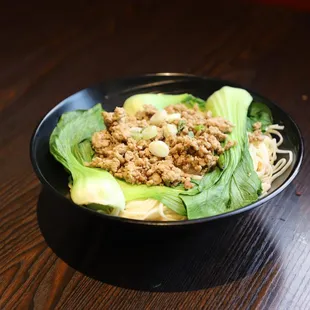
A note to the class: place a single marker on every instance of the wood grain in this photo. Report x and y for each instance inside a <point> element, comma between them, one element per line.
<point>49,52</point>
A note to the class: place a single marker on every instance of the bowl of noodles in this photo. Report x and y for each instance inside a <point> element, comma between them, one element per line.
<point>165,149</point>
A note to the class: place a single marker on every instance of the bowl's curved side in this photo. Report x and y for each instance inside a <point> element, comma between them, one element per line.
<point>52,175</point>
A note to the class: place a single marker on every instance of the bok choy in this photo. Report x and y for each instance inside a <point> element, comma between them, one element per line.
<point>237,184</point>
<point>90,186</point>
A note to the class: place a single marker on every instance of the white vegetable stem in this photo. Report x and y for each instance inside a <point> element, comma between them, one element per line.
<point>159,148</point>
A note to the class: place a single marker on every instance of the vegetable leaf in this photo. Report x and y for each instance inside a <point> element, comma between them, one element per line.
<point>136,103</point>
<point>181,125</point>
<point>83,151</point>
<point>199,127</point>
<point>169,196</point>
<point>232,188</point>
<point>245,186</point>
<point>191,134</point>
<point>89,185</point>
<point>259,112</point>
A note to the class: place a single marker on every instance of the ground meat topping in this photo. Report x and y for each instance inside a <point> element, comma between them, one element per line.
<point>256,135</point>
<point>194,141</point>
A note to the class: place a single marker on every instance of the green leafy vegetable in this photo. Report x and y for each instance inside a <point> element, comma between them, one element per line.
<point>245,186</point>
<point>259,112</point>
<point>169,196</point>
<point>83,151</point>
<point>135,103</point>
<point>181,125</point>
<point>199,127</point>
<point>221,162</point>
<point>237,184</point>
<point>67,144</point>
<point>191,134</point>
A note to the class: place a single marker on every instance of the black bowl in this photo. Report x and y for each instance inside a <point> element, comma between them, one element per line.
<point>113,93</point>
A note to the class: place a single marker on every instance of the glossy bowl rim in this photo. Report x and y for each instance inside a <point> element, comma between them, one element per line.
<point>244,209</point>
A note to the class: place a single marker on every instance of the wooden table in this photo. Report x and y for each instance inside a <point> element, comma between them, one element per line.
<point>261,260</point>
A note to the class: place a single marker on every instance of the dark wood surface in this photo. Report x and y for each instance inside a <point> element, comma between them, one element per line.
<point>262,261</point>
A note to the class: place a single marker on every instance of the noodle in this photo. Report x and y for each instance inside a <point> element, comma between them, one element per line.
<point>149,210</point>
<point>264,154</point>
